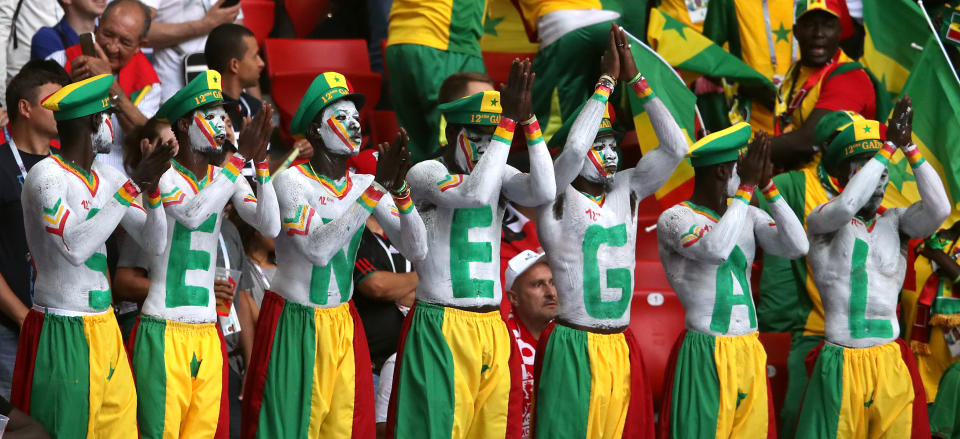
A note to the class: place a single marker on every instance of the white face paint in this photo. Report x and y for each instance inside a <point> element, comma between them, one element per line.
<point>103,138</point>
<point>733,183</point>
<point>601,162</point>
<point>471,144</point>
<point>877,197</point>
<point>208,129</point>
<point>340,129</point>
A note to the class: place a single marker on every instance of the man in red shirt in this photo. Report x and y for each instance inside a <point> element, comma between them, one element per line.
<point>823,80</point>
<point>529,287</point>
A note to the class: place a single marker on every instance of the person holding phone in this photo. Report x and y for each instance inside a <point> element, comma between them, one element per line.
<point>115,49</point>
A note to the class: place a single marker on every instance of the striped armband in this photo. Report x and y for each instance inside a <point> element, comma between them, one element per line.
<point>531,130</point>
<point>913,155</point>
<point>601,94</point>
<point>154,199</point>
<point>369,198</point>
<point>642,89</point>
<point>232,169</point>
<point>504,132</point>
<point>403,201</point>
<point>771,193</point>
<point>127,193</point>
<point>886,153</point>
<point>745,193</point>
<point>263,171</point>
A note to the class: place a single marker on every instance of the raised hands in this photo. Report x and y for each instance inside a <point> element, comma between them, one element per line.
<point>516,96</point>
<point>255,135</point>
<point>755,168</point>
<point>610,62</point>
<point>393,162</point>
<point>147,173</point>
<point>900,125</point>
<point>628,67</point>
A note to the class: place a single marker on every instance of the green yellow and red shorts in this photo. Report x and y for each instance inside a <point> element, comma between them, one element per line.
<point>72,375</point>
<point>457,376</point>
<point>588,385</point>
<point>717,387</point>
<point>310,373</point>
<point>181,375</point>
<point>871,392</point>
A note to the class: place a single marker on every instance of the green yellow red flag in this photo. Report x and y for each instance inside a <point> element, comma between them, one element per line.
<point>895,34</point>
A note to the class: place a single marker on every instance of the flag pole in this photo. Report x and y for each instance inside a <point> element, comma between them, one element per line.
<point>936,37</point>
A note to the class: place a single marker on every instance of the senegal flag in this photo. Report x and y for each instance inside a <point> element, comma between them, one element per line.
<point>503,29</point>
<point>895,34</point>
<point>682,105</point>
<point>684,48</point>
<point>936,121</point>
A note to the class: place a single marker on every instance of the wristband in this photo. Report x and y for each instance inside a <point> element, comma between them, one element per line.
<point>602,93</point>
<point>745,193</point>
<point>642,90</point>
<point>127,193</point>
<point>607,80</point>
<point>886,152</point>
<point>403,190</point>
<point>636,79</point>
<point>771,193</point>
<point>263,171</point>
<point>153,198</point>
<point>232,169</point>
<point>369,198</point>
<point>403,201</point>
<point>913,155</point>
<point>532,132</point>
<point>504,132</point>
<point>532,119</point>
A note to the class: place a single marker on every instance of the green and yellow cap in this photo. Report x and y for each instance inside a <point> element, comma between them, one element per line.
<point>199,92</point>
<point>720,147</point>
<point>326,88</point>
<point>82,98</point>
<point>833,122</point>
<point>831,7</point>
<point>855,138</point>
<point>559,138</point>
<point>481,108</point>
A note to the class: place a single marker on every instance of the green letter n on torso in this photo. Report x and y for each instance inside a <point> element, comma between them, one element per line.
<point>595,236</point>
<point>463,252</point>
<point>342,267</point>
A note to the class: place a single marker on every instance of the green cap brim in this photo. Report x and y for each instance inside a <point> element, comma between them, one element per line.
<point>720,147</point>
<point>308,110</point>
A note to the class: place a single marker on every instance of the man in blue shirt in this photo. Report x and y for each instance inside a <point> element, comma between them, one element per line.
<point>79,16</point>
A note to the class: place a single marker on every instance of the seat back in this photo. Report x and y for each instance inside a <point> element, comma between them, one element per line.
<point>656,319</point>
<point>305,15</point>
<point>498,64</point>
<point>258,17</point>
<point>290,55</point>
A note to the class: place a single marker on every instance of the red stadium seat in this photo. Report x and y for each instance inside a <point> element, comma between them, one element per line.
<point>344,56</point>
<point>656,318</point>
<point>305,15</point>
<point>498,64</point>
<point>385,126</point>
<point>289,88</point>
<point>777,345</point>
<point>258,17</point>
<point>649,276</point>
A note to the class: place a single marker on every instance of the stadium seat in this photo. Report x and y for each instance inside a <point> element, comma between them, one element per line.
<point>656,318</point>
<point>305,15</point>
<point>258,17</point>
<point>498,64</point>
<point>289,55</point>
<point>289,88</point>
<point>777,345</point>
<point>649,276</point>
<point>385,126</point>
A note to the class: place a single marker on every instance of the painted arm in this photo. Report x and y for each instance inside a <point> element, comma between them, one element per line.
<point>924,217</point>
<point>580,139</point>
<point>656,166</point>
<point>403,225</point>
<point>193,211</point>
<point>685,236</point>
<point>147,226</point>
<point>261,211</point>
<point>430,180</point>
<point>834,214</point>
<point>782,235</point>
<point>317,238</point>
<point>537,187</point>
<point>77,238</point>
